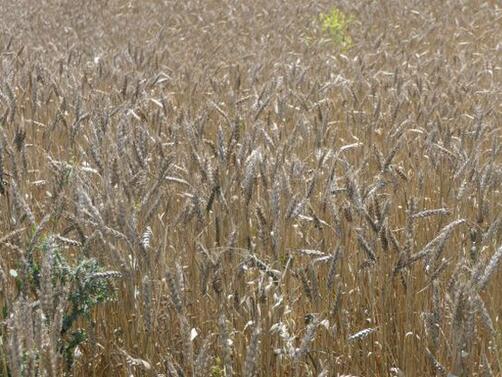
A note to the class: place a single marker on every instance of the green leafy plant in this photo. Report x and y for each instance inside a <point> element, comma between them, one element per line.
<point>217,369</point>
<point>89,285</point>
<point>335,24</point>
<point>56,292</point>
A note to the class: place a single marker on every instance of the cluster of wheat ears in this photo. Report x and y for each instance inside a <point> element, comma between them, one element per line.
<point>215,188</point>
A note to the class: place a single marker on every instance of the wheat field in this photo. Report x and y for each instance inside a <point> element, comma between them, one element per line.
<point>224,188</point>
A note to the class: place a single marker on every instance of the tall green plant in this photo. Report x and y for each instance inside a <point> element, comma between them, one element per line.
<point>335,24</point>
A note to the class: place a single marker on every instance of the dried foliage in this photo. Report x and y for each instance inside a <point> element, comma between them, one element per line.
<point>265,202</point>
